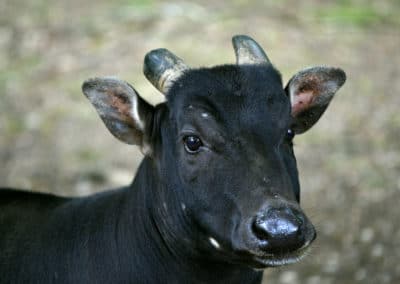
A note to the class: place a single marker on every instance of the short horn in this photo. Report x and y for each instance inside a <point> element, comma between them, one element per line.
<point>248,51</point>
<point>162,68</point>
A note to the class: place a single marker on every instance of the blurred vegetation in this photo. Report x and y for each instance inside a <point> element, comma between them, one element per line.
<point>359,13</point>
<point>52,140</point>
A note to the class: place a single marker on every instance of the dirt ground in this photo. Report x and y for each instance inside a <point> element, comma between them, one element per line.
<point>52,140</point>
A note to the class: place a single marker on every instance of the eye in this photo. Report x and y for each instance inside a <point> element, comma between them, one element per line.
<point>192,143</point>
<point>290,135</point>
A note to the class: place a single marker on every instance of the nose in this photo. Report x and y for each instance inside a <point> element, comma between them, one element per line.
<point>282,228</point>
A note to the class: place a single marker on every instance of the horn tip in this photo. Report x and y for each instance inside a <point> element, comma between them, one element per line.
<point>248,51</point>
<point>161,67</point>
<point>153,62</point>
<point>241,38</point>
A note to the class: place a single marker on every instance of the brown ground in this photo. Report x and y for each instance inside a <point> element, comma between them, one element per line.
<point>52,140</point>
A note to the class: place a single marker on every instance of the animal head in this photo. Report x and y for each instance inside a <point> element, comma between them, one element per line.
<point>221,145</point>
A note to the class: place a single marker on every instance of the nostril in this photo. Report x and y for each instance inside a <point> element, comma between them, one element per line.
<point>260,230</point>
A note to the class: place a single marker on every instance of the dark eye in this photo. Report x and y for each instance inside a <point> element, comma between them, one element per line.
<point>192,143</point>
<point>290,135</point>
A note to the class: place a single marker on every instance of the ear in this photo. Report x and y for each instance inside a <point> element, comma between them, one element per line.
<point>126,115</point>
<point>310,92</point>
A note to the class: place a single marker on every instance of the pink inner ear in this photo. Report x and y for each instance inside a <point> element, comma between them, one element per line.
<point>301,101</point>
<point>121,105</point>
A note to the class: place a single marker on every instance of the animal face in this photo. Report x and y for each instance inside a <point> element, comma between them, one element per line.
<point>221,146</point>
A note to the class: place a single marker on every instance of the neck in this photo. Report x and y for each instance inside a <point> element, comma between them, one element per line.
<point>166,242</point>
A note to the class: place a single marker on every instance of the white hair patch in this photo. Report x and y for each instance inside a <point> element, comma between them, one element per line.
<point>135,113</point>
<point>214,243</point>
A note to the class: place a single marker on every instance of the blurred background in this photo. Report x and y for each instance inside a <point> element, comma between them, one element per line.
<point>52,140</point>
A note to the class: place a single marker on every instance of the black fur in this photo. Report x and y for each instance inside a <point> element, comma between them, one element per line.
<point>158,229</point>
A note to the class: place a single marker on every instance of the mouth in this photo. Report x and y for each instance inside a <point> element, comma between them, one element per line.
<point>264,260</point>
<point>277,260</point>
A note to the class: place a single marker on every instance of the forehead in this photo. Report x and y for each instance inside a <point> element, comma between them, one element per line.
<point>235,94</point>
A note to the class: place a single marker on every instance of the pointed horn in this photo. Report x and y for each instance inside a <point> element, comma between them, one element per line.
<point>162,68</point>
<point>248,51</point>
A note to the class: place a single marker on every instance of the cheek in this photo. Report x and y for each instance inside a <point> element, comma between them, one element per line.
<point>201,170</point>
<point>194,167</point>
<point>189,170</point>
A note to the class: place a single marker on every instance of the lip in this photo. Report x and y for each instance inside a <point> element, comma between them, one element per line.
<point>275,260</point>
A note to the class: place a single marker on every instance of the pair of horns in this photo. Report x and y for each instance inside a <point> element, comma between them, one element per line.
<point>162,68</point>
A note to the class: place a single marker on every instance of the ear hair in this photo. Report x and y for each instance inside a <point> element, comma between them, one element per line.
<point>310,92</point>
<point>122,110</point>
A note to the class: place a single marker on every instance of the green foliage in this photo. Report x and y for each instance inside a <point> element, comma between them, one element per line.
<point>348,12</point>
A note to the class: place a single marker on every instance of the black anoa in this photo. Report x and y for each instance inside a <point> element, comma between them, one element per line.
<point>216,197</point>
